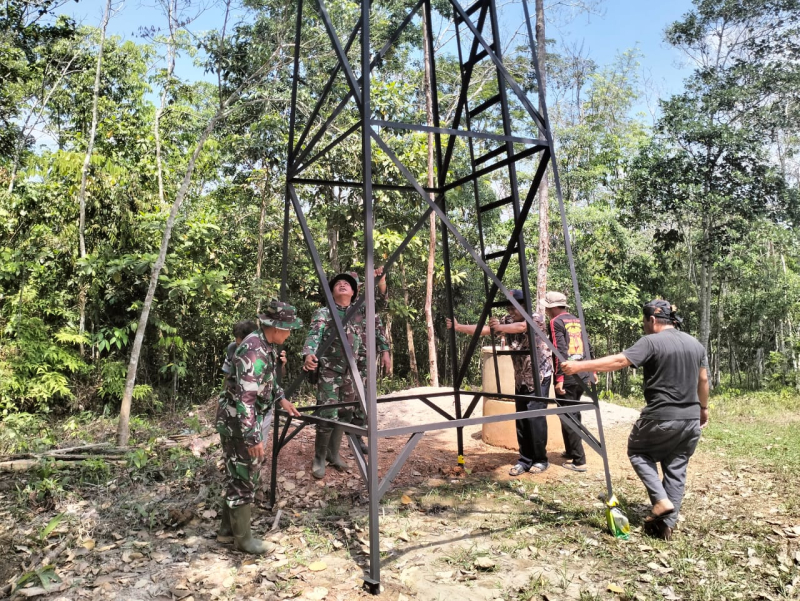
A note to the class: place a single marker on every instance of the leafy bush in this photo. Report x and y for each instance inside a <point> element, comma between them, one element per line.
<point>36,367</point>
<point>21,432</point>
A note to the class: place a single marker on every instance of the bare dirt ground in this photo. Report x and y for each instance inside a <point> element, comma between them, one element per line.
<point>446,532</point>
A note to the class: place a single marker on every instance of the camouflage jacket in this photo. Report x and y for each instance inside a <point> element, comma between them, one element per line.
<point>523,371</point>
<point>251,390</point>
<point>334,358</point>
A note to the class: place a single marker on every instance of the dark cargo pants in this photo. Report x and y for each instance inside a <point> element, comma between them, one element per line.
<point>670,443</point>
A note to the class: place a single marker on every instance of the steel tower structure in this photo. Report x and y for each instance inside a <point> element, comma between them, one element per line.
<point>495,152</point>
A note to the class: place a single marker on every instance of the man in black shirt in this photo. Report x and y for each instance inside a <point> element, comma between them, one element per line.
<point>566,334</point>
<point>676,391</point>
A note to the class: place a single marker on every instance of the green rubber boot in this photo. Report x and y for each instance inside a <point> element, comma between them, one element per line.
<point>334,444</point>
<point>225,532</point>
<point>242,536</point>
<point>320,451</point>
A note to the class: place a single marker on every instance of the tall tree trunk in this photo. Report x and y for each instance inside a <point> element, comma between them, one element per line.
<point>387,324</point>
<point>171,52</point>
<point>432,364</point>
<point>82,294</point>
<point>123,428</point>
<point>543,261</point>
<point>705,284</point>
<point>412,354</point>
<point>260,252</point>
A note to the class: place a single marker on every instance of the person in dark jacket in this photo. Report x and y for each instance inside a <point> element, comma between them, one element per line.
<point>566,334</point>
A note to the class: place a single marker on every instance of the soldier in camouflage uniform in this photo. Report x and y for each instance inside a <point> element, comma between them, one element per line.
<point>244,414</point>
<point>335,383</point>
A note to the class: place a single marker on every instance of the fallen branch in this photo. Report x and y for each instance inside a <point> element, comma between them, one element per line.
<point>67,462</point>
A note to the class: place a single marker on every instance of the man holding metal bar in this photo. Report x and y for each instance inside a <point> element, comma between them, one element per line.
<point>333,378</point>
<point>245,408</point>
<point>531,431</point>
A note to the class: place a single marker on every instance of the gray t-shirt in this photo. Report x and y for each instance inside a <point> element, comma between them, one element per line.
<point>671,361</point>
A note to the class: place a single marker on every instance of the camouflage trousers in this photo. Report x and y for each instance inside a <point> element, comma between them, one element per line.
<point>242,472</point>
<point>334,387</point>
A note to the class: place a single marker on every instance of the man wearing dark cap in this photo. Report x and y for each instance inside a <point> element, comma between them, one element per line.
<point>335,381</point>
<point>245,407</point>
<point>566,334</point>
<point>531,431</point>
<point>676,391</point>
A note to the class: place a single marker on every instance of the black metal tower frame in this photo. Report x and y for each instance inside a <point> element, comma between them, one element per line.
<point>506,156</point>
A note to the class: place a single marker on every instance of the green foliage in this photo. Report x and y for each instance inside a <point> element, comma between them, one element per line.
<point>24,432</point>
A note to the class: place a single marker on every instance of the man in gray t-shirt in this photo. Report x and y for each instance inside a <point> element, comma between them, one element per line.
<point>676,391</point>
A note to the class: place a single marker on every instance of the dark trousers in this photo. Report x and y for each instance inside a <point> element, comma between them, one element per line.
<point>670,443</point>
<point>532,431</point>
<point>573,443</point>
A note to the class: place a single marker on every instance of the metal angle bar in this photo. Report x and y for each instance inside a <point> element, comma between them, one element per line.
<point>486,419</point>
<point>501,270</point>
<point>378,57</point>
<point>359,455</point>
<point>340,54</point>
<point>326,289</point>
<point>286,426</point>
<point>477,196</point>
<point>484,105</point>
<point>466,77</point>
<point>564,225</point>
<point>479,57</point>
<point>293,433</point>
<point>457,132</point>
<point>408,397</point>
<point>324,151</point>
<point>512,177</point>
<point>604,453</point>
<point>435,407</point>
<point>494,167</point>
<point>398,463</point>
<point>473,404</point>
<point>348,184</point>
<point>490,155</point>
<point>500,67</point>
<point>499,254</point>
<point>581,431</point>
<point>370,398</point>
<point>497,203</point>
<point>326,90</point>
<point>276,449</point>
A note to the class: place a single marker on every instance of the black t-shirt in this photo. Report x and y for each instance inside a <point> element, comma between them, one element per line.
<point>671,362</point>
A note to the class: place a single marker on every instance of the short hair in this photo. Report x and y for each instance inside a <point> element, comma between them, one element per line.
<point>242,328</point>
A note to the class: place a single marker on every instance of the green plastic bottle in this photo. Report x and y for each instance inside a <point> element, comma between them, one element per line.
<point>618,523</point>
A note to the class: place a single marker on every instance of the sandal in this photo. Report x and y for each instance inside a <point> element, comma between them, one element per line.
<point>517,470</point>
<point>654,526</point>
<point>570,465</point>
<point>538,468</point>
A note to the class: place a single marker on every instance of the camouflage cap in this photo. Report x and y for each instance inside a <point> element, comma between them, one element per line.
<point>351,278</point>
<point>280,315</point>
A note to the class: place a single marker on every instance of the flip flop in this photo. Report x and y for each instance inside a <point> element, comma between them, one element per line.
<point>538,468</point>
<point>517,470</point>
<point>574,468</point>
<point>654,526</point>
